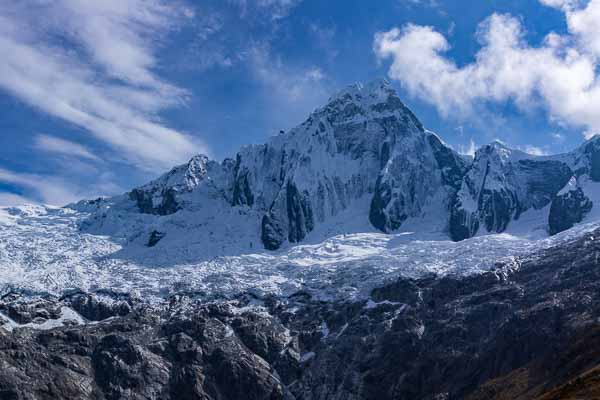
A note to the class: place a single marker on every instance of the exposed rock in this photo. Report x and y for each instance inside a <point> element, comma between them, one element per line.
<point>155,237</point>
<point>98,308</point>
<point>272,232</point>
<point>24,310</point>
<point>145,201</point>
<point>161,196</point>
<point>500,185</point>
<point>591,152</point>
<point>567,209</point>
<point>523,331</point>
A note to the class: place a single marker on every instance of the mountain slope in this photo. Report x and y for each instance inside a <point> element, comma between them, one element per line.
<point>363,146</point>
<point>354,257</point>
<point>524,330</point>
<point>359,183</point>
<point>364,151</point>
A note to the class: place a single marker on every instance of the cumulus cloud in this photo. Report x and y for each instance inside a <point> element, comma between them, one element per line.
<point>535,150</point>
<point>93,64</point>
<point>560,74</point>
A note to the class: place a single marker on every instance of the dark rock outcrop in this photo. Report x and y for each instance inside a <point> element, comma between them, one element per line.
<point>299,213</point>
<point>272,232</point>
<point>242,192</point>
<point>144,202</point>
<point>567,209</point>
<point>98,308</point>
<point>521,331</point>
<point>155,237</point>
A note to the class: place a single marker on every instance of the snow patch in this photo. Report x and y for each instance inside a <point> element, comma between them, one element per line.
<point>67,315</point>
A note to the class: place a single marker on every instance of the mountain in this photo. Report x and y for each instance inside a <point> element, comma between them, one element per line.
<point>363,147</point>
<point>356,256</point>
<point>363,153</point>
<point>358,194</point>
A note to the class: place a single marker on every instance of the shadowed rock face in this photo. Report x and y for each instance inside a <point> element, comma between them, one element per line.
<point>144,201</point>
<point>568,209</point>
<point>521,331</point>
<point>500,185</point>
<point>592,151</point>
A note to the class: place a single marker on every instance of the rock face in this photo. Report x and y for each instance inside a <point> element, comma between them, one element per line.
<point>500,185</point>
<point>364,153</point>
<point>522,331</point>
<point>193,356</point>
<point>568,209</point>
<point>164,196</point>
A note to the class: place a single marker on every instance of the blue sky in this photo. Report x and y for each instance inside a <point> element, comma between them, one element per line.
<point>96,97</point>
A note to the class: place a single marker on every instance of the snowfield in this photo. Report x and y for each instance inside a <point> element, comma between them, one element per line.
<point>42,251</point>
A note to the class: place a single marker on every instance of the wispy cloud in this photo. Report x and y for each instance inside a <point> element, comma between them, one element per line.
<point>469,149</point>
<point>274,9</point>
<point>561,74</point>
<point>56,145</point>
<point>324,37</point>
<point>93,64</point>
<point>40,189</point>
<point>51,190</point>
<point>11,199</point>
<point>293,90</point>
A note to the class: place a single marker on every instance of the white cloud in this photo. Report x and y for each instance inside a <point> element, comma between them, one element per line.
<point>425,3</point>
<point>288,85</point>
<point>275,9</point>
<point>581,21</point>
<point>11,199</point>
<point>558,3</point>
<point>48,190</point>
<point>51,189</point>
<point>468,150</point>
<point>325,39</point>
<point>534,150</point>
<point>560,74</point>
<point>56,145</point>
<point>558,137</point>
<point>102,76</point>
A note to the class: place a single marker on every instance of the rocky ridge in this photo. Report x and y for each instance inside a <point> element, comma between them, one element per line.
<point>364,150</point>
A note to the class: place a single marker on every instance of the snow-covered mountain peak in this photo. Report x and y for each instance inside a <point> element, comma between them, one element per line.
<point>375,91</point>
<point>363,154</point>
<point>499,152</point>
<point>184,177</point>
<point>358,102</point>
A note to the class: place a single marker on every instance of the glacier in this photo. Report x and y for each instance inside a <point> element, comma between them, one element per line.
<point>43,251</point>
<point>356,196</point>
